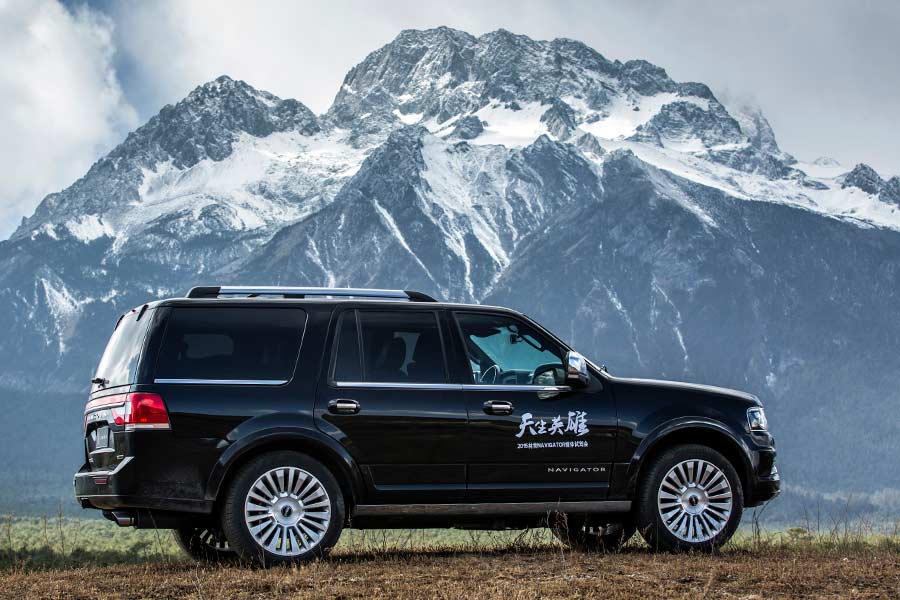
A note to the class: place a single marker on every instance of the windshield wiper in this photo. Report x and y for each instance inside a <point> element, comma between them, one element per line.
<point>99,381</point>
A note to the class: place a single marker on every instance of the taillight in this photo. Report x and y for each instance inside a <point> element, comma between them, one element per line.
<point>145,411</point>
<point>136,410</point>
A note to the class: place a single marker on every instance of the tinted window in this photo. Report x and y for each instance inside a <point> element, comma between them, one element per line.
<point>231,344</point>
<point>119,361</point>
<point>397,347</point>
<point>503,350</point>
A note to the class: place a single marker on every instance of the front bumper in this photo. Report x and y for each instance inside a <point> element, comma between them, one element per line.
<point>765,482</point>
<point>764,489</point>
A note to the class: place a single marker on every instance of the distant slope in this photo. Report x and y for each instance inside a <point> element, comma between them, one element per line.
<point>658,231</point>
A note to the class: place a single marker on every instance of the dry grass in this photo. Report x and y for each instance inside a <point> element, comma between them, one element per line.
<point>444,564</point>
<point>507,574</point>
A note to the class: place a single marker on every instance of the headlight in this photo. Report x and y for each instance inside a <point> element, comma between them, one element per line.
<point>757,418</point>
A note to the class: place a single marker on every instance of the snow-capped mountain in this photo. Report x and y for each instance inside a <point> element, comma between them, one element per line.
<point>659,231</point>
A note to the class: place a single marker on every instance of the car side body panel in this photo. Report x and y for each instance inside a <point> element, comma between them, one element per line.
<point>217,426</point>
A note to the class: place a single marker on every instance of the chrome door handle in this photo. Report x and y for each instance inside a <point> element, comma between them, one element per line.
<point>343,406</point>
<point>498,407</point>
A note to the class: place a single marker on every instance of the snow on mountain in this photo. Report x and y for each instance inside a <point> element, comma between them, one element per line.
<point>659,230</point>
<point>823,167</point>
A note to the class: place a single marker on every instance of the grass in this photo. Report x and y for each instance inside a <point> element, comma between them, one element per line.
<point>63,558</point>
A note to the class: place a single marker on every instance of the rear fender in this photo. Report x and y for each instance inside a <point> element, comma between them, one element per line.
<point>287,437</point>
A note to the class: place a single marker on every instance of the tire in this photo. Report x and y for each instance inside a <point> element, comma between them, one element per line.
<point>588,535</point>
<point>283,507</point>
<point>204,544</point>
<point>679,510</point>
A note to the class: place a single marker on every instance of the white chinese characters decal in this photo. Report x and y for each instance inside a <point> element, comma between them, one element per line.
<point>575,424</point>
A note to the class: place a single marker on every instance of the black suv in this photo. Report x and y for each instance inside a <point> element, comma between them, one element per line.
<point>259,422</point>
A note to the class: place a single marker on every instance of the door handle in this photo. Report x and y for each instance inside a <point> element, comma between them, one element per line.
<point>498,407</point>
<point>343,406</point>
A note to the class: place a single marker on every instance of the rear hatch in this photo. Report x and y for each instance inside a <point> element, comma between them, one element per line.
<point>104,440</point>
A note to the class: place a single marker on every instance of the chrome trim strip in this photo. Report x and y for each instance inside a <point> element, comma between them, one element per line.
<point>312,291</point>
<point>398,385</point>
<point>485,387</point>
<point>492,508</point>
<point>102,451</point>
<point>224,381</point>
<point>118,468</point>
<point>475,387</point>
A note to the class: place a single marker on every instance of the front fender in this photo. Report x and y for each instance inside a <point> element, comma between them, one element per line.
<point>684,429</point>
<point>258,434</point>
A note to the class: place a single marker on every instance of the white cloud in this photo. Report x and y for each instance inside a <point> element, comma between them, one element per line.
<point>298,50</point>
<point>62,106</point>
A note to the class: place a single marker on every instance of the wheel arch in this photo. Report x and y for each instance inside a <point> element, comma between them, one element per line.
<point>707,433</point>
<point>312,443</point>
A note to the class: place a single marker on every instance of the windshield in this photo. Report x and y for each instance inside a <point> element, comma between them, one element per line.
<point>120,358</point>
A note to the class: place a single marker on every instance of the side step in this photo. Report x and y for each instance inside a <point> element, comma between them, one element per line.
<point>492,508</point>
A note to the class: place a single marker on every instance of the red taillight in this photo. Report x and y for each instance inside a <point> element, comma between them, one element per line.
<point>145,411</point>
<point>137,410</point>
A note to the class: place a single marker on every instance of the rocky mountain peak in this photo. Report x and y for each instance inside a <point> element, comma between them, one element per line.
<point>891,191</point>
<point>865,178</point>
<point>450,80</point>
<point>204,125</point>
<point>868,180</point>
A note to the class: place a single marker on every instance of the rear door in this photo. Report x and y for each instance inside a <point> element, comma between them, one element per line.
<point>105,446</point>
<point>387,399</point>
<point>531,438</point>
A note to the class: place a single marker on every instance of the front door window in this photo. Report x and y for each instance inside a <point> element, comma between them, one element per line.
<point>503,350</point>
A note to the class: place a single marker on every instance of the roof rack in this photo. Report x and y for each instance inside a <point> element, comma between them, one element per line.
<point>252,291</point>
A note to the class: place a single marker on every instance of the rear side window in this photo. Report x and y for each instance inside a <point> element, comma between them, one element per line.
<point>119,362</point>
<point>394,347</point>
<point>231,344</point>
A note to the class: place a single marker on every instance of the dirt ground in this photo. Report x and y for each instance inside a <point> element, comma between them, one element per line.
<point>507,574</point>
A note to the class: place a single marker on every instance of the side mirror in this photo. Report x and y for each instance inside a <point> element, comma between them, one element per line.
<point>576,370</point>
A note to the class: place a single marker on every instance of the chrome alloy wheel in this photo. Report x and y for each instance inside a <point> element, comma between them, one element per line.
<point>213,539</point>
<point>694,500</point>
<point>287,511</point>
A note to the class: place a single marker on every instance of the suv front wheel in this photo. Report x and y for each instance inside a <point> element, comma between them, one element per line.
<point>283,507</point>
<point>690,498</point>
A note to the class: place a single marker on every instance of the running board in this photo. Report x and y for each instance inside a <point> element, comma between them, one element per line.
<point>493,508</point>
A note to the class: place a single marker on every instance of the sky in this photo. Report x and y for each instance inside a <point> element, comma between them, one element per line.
<point>76,77</point>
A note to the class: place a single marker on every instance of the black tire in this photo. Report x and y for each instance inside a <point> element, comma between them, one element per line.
<point>283,463</point>
<point>653,500</point>
<point>588,534</point>
<point>204,543</point>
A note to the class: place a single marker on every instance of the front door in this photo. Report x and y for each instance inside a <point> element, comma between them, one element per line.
<point>387,400</point>
<point>531,437</point>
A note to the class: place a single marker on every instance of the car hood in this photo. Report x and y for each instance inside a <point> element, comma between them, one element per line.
<point>692,387</point>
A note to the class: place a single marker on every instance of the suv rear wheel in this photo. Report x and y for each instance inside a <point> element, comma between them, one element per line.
<point>690,498</point>
<point>283,507</point>
<point>206,543</point>
<point>593,535</point>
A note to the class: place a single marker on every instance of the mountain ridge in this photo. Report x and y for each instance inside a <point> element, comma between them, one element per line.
<point>658,231</point>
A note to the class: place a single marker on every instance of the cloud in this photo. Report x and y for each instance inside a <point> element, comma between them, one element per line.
<point>62,104</point>
<point>298,50</point>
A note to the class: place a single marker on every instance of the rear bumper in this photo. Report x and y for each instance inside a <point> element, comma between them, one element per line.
<point>118,489</point>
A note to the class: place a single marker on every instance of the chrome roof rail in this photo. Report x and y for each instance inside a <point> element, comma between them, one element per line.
<point>253,291</point>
